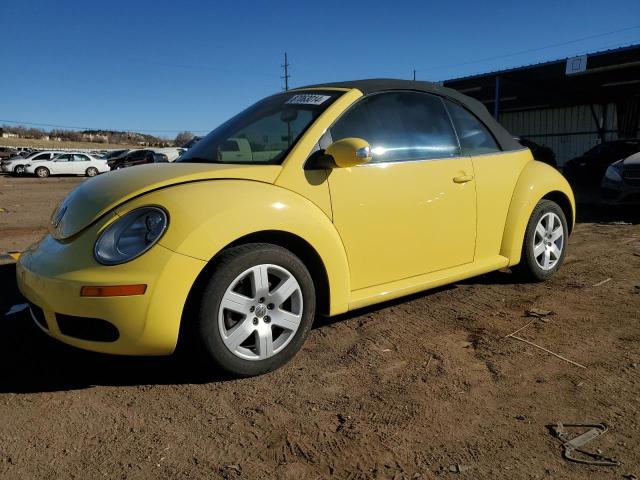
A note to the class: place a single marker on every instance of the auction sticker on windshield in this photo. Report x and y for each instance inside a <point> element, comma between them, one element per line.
<point>308,99</point>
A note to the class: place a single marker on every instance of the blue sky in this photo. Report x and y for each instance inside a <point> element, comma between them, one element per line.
<point>163,66</point>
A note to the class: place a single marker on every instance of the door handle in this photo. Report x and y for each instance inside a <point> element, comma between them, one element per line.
<point>463,178</point>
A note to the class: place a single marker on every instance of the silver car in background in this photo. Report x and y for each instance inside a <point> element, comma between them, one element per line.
<point>621,181</point>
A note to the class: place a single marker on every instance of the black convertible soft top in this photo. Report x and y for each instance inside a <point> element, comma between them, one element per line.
<point>503,137</point>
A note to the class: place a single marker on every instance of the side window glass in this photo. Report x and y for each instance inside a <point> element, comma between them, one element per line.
<point>44,156</point>
<point>63,158</point>
<point>400,126</point>
<point>230,146</point>
<point>475,138</point>
<point>79,158</point>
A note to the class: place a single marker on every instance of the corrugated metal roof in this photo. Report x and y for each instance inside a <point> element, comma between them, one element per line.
<point>545,63</point>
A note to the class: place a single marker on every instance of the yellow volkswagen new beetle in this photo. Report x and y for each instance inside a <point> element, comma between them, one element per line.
<point>322,199</point>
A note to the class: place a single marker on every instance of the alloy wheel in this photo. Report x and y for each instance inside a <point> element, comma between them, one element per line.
<point>260,312</point>
<point>548,241</point>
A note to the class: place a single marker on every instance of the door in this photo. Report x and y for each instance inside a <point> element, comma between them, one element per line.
<point>496,174</point>
<point>62,165</point>
<point>79,164</point>
<point>411,210</point>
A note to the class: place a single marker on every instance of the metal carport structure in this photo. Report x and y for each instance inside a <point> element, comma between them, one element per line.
<point>569,104</point>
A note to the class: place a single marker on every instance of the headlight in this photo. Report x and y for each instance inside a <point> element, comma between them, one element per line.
<point>614,171</point>
<point>131,236</point>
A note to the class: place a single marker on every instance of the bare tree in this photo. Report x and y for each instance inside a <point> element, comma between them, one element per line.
<point>182,138</point>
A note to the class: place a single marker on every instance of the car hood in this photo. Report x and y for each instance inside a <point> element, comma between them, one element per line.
<point>99,195</point>
<point>632,160</point>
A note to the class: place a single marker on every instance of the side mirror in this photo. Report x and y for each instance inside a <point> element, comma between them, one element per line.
<point>349,152</point>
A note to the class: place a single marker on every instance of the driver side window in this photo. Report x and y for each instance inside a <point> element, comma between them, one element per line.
<point>400,126</point>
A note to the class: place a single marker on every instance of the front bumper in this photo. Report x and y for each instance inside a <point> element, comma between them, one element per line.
<point>6,167</point>
<point>619,192</point>
<point>50,275</point>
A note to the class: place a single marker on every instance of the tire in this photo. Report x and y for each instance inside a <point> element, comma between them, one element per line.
<point>42,172</point>
<point>284,318</point>
<point>543,251</point>
<point>92,172</point>
<point>18,170</point>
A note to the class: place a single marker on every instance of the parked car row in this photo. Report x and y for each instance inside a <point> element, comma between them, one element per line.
<point>614,165</point>
<point>43,163</point>
<point>46,163</point>
<point>15,165</point>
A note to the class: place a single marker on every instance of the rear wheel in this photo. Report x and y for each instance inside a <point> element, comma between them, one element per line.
<point>545,240</point>
<point>42,172</point>
<point>256,310</point>
<point>91,172</point>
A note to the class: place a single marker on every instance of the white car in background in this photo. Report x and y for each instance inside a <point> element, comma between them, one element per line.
<point>16,165</point>
<point>73,163</point>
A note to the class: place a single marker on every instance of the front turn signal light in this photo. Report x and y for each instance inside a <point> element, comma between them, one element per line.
<point>113,290</point>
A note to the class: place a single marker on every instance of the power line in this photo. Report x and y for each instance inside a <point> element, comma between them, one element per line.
<point>531,50</point>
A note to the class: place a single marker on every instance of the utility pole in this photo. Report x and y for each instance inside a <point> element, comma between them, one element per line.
<point>414,74</point>
<point>286,75</point>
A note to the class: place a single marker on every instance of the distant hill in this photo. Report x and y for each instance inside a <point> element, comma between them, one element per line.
<point>10,133</point>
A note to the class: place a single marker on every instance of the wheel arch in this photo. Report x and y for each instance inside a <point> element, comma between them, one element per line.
<point>294,243</point>
<point>565,204</point>
<point>303,250</point>
<point>536,182</point>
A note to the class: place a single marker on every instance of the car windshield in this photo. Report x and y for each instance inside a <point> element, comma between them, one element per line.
<point>263,133</point>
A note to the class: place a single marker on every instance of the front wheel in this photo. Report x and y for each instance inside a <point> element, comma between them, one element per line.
<point>18,170</point>
<point>42,172</point>
<point>256,310</point>
<point>545,242</point>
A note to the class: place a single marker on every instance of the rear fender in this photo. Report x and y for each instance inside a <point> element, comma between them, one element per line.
<point>536,181</point>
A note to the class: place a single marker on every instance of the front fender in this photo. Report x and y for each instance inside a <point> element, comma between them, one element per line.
<point>205,217</point>
<point>536,181</point>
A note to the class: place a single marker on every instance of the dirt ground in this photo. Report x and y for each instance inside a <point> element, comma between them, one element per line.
<point>420,388</point>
